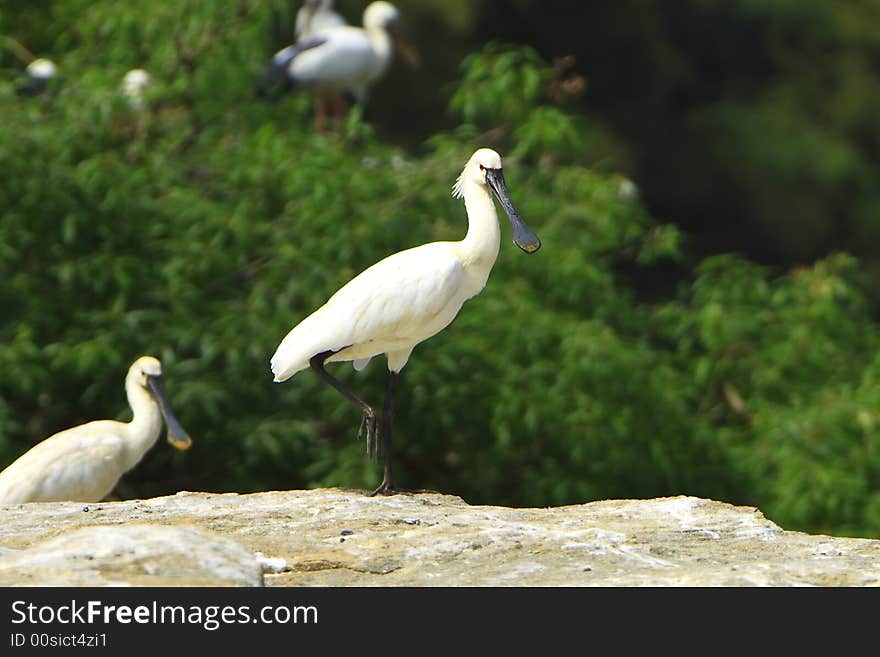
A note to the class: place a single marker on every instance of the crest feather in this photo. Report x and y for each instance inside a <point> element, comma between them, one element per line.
<point>457,191</point>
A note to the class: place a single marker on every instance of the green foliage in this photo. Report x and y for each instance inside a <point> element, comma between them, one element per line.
<point>500,84</point>
<point>507,88</point>
<point>781,369</point>
<point>203,228</point>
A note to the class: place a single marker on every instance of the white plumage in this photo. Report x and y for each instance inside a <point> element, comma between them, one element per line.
<point>315,16</point>
<point>42,69</point>
<point>343,58</point>
<point>41,76</point>
<point>409,296</point>
<point>84,463</point>
<point>388,309</point>
<point>133,84</point>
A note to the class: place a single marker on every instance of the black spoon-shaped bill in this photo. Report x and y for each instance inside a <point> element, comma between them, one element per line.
<point>177,437</point>
<point>523,236</point>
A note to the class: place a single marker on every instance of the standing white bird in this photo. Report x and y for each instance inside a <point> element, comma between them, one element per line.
<point>315,16</point>
<point>341,59</point>
<point>133,84</point>
<point>84,463</point>
<point>406,298</point>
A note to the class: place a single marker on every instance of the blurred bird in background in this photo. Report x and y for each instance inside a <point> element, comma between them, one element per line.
<point>341,59</point>
<point>41,77</point>
<point>133,84</point>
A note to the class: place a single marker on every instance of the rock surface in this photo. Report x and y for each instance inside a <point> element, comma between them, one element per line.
<point>335,537</point>
<point>133,554</point>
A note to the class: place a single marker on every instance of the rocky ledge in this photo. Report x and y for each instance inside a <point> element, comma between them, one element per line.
<point>336,537</point>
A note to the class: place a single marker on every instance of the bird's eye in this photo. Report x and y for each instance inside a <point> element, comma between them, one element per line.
<point>482,168</point>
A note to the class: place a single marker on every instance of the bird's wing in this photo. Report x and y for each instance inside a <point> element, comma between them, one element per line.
<point>344,54</point>
<point>402,295</point>
<point>80,464</point>
<point>285,56</point>
<point>407,296</point>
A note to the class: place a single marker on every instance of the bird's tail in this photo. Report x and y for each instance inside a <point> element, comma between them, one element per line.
<point>279,370</point>
<point>290,357</point>
<point>275,75</point>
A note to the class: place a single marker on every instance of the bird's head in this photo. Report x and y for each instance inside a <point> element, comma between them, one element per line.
<point>484,169</point>
<point>380,15</point>
<point>384,16</point>
<point>136,80</point>
<point>146,372</point>
<point>143,368</point>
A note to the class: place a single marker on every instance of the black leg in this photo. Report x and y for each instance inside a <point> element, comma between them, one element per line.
<point>369,416</point>
<point>387,485</point>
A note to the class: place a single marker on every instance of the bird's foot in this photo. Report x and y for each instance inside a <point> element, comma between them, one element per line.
<point>368,421</point>
<point>385,488</point>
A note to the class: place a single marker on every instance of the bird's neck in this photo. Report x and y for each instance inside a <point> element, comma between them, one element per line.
<point>382,47</point>
<point>479,248</point>
<point>146,423</point>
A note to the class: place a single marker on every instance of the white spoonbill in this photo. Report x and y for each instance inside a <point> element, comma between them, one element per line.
<point>341,59</point>
<point>315,16</point>
<point>84,463</point>
<point>406,298</point>
<point>133,84</point>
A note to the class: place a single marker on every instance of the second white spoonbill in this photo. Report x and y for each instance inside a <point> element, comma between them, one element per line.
<point>341,59</point>
<point>83,464</point>
<point>406,298</point>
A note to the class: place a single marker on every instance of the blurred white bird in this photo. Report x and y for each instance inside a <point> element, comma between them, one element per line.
<point>133,84</point>
<point>406,298</point>
<point>42,68</point>
<point>315,16</point>
<point>311,19</point>
<point>83,464</point>
<point>40,73</point>
<point>341,59</point>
